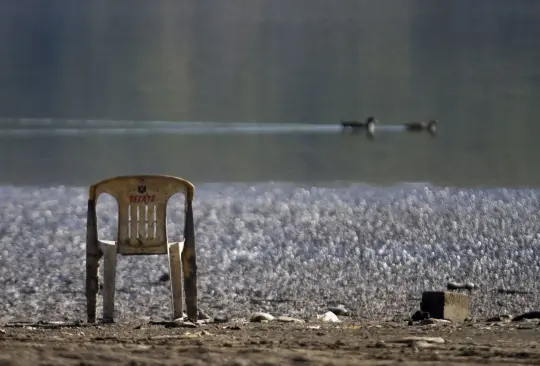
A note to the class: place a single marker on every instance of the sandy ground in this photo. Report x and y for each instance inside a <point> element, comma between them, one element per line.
<point>273,343</point>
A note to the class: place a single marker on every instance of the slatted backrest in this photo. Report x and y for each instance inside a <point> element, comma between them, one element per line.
<point>142,209</point>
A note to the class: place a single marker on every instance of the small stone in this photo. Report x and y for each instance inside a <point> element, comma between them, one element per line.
<point>438,340</point>
<point>420,315</point>
<point>196,334</point>
<point>181,323</point>
<point>454,285</point>
<point>166,336</point>
<point>203,316</point>
<point>259,317</point>
<point>221,319</point>
<point>300,359</point>
<point>164,277</point>
<point>435,322</point>
<point>288,319</point>
<point>156,321</point>
<point>142,347</point>
<point>329,317</point>
<point>422,344</point>
<point>339,310</point>
<point>460,286</point>
<point>191,335</point>
<point>499,318</point>
<point>187,324</point>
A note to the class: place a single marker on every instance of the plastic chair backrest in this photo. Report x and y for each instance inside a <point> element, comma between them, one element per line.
<point>142,209</point>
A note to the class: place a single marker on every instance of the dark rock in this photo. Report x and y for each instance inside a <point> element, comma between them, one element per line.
<point>420,315</point>
<point>528,315</point>
<point>513,291</point>
<point>498,318</point>
<point>339,310</point>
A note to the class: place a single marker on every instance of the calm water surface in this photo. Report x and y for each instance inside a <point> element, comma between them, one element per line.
<point>471,65</point>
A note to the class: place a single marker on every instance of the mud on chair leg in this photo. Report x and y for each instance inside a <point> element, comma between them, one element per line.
<point>92,263</point>
<point>109,282</point>
<point>175,270</point>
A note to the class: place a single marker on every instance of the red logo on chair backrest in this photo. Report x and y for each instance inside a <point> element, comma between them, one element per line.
<point>143,198</point>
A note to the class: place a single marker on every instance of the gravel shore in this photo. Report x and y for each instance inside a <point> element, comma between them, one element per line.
<point>372,249</point>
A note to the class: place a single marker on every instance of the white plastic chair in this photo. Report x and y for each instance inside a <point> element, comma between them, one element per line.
<point>142,230</point>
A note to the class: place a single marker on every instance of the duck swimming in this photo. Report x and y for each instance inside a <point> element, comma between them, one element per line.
<point>369,124</point>
<point>431,126</point>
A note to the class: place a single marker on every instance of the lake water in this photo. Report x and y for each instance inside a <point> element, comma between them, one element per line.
<point>76,77</point>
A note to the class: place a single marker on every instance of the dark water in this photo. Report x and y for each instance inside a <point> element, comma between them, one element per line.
<point>471,65</point>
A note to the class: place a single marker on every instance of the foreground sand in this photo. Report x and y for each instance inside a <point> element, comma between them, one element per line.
<point>348,343</point>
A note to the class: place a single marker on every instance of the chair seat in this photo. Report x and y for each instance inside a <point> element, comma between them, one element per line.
<point>135,250</point>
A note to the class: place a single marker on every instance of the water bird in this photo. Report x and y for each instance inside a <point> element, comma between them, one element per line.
<point>430,126</point>
<point>369,125</point>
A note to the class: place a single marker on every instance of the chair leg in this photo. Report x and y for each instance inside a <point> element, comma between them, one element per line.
<point>92,263</point>
<point>109,281</point>
<point>93,255</point>
<point>175,270</point>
